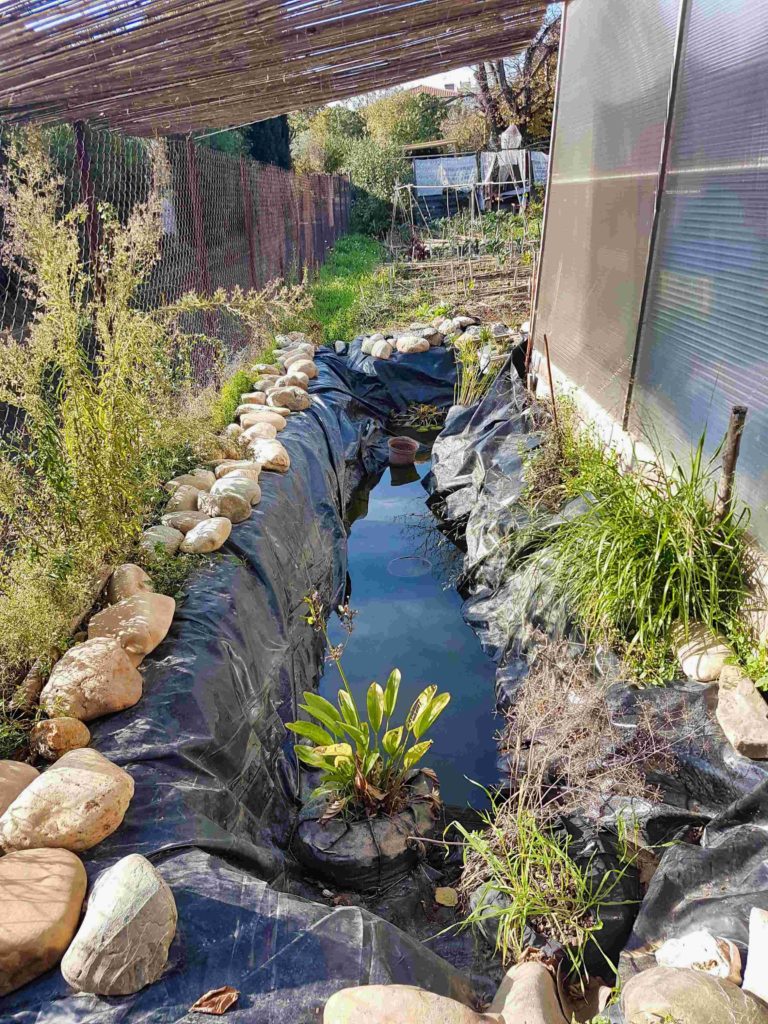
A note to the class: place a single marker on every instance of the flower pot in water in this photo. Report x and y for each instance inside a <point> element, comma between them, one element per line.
<point>402,451</point>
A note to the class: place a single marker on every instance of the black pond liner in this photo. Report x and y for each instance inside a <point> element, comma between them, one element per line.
<point>711,826</point>
<point>216,782</point>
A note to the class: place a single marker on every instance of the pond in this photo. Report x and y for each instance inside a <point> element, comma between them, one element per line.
<point>409,617</point>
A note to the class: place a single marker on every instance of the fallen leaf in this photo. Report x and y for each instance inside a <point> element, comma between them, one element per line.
<point>446,897</point>
<point>217,1001</point>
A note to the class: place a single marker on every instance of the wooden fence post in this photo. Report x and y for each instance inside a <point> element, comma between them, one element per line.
<point>731,447</point>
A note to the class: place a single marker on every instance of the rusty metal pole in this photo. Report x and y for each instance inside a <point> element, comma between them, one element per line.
<point>731,447</point>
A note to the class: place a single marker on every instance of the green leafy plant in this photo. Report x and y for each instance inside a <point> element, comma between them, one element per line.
<point>420,416</point>
<point>365,761</point>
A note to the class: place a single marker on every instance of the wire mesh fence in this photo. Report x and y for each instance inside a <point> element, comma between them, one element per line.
<point>227,221</point>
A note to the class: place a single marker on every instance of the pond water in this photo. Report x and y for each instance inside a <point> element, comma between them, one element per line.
<point>409,617</point>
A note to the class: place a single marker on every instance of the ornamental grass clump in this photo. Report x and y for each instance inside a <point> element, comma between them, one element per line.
<point>366,762</point>
<point>649,553</point>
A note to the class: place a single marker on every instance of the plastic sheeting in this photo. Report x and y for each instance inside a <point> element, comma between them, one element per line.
<point>215,778</point>
<point>383,386</point>
<point>710,824</point>
<point>433,174</point>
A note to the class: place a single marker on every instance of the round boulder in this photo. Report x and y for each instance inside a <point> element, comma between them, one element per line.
<point>230,506</point>
<point>54,737</point>
<point>92,679</point>
<point>41,893</point>
<point>75,804</point>
<point>293,398</point>
<point>208,536</point>
<point>129,924</point>
<point>272,455</point>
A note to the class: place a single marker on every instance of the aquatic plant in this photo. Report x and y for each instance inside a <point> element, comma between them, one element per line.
<point>366,762</point>
<point>474,375</point>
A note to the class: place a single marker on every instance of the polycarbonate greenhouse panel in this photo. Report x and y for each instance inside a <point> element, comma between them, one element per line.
<point>613,95</point>
<point>704,342</point>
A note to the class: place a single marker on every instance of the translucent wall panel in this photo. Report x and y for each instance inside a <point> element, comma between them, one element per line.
<point>614,90</point>
<point>704,343</point>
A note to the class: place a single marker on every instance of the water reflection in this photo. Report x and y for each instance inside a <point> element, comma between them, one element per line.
<point>409,616</point>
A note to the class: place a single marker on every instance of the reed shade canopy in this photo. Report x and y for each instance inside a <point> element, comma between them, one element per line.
<point>165,66</point>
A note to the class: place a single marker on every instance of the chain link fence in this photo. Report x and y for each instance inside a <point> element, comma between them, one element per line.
<point>227,221</point>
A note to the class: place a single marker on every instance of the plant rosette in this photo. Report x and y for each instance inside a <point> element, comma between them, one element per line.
<point>367,853</point>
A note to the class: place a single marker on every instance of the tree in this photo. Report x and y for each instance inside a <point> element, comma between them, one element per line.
<point>467,127</point>
<point>265,141</point>
<point>403,117</point>
<point>521,91</point>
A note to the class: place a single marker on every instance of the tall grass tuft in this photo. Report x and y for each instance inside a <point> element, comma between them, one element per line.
<point>649,553</point>
<point>474,375</point>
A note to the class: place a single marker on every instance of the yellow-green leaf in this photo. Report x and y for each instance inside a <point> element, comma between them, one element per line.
<point>375,706</point>
<point>391,692</point>
<point>415,754</point>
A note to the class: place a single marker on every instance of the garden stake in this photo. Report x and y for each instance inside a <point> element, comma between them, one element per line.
<point>731,447</point>
<point>554,401</point>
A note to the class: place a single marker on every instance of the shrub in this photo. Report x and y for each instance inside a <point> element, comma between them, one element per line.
<point>376,167</point>
<point>104,397</point>
<point>370,214</point>
<point>229,397</point>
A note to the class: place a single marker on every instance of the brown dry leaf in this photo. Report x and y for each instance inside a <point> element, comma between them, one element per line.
<point>217,1001</point>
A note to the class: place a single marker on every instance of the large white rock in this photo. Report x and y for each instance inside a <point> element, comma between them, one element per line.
<point>243,467</point>
<point>233,483</point>
<point>140,622</point>
<point>305,366</point>
<point>92,679</point>
<point>229,506</point>
<point>184,521</point>
<point>401,1004</point>
<point>367,345</point>
<point>701,654</point>
<point>278,421</point>
<point>527,995</point>
<point>127,580</point>
<point>14,777</point>
<point>382,350</point>
<point>688,997</point>
<point>272,455</point>
<point>742,713</point>
<point>41,893</point>
<point>183,499</point>
<point>264,430</point>
<point>202,479</point>
<point>410,344</point>
<point>260,369</point>
<point>293,380</point>
<point>701,951</point>
<point>252,398</point>
<point>268,382</point>
<point>755,975</point>
<point>208,536</point>
<point>129,924</point>
<point>160,538</point>
<point>73,805</point>
<point>294,398</point>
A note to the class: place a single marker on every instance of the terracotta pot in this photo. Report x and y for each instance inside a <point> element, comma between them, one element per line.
<point>402,451</point>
